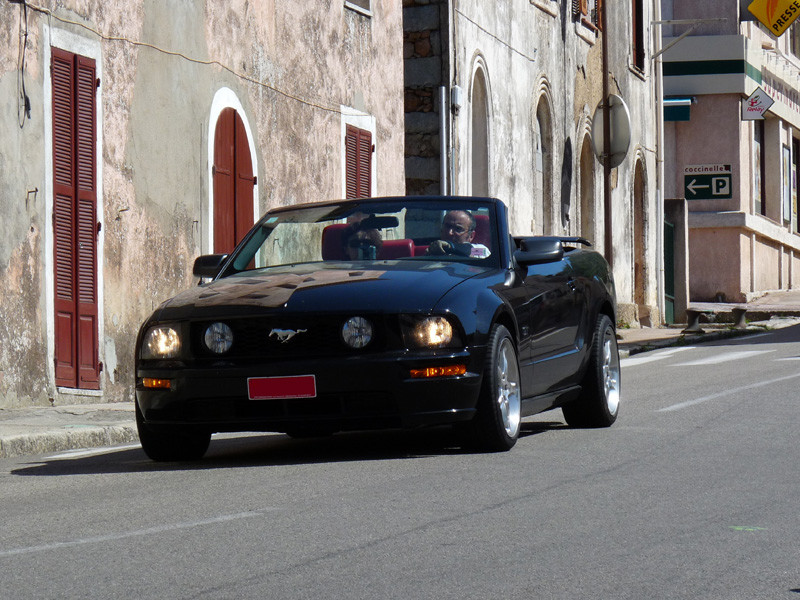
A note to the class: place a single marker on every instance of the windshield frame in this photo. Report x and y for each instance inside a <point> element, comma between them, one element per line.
<point>331,212</point>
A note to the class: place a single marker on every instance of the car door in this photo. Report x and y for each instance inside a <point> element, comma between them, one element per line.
<point>554,321</point>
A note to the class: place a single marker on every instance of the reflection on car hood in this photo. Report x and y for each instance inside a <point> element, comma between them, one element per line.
<point>390,286</point>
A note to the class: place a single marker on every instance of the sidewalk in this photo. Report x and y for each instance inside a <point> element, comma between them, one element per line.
<point>49,429</point>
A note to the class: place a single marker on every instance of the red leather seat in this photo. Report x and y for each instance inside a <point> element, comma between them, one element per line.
<point>332,248</point>
<point>332,242</point>
<point>396,249</point>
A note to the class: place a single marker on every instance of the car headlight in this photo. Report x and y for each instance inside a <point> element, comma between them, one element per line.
<point>218,338</point>
<point>357,332</point>
<point>161,342</point>
<point>428,332</point>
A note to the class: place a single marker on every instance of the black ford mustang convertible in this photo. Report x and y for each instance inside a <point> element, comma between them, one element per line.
<point>381,313</point>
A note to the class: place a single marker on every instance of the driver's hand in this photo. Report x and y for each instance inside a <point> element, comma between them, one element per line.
<point>440,247</point>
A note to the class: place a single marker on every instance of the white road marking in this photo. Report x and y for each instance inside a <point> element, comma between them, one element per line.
<point>640,359</point>
<point>747,338</point>
<point>722,358</point>
<point>752,386</point>
<point>129,534</point>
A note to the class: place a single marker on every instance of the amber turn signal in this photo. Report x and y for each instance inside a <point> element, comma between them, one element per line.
<point>158,384</point>
<point>449,371</point>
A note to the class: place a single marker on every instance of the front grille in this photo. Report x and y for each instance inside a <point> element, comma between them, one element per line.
<point>261,338</point>
<point>349,407</point>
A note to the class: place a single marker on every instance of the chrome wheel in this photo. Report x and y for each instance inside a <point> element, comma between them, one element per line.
<point>598,404</point>
<point>507,392</point>
<point>496,425</point>
<point>610,371</point>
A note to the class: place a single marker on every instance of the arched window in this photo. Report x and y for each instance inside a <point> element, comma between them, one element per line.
<point>480,135</point>
<point>543,167</point>
<point>587,198</point>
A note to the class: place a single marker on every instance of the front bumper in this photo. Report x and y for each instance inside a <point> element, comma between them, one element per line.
<point>353,393</point>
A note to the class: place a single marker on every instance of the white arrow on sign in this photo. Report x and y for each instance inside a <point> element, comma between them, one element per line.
<point>693,186</point>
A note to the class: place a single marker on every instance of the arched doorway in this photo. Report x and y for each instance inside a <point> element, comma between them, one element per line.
<point>587,191</point>
<point>480,135</point>
<point>543,174</point>
<point>233,182</point>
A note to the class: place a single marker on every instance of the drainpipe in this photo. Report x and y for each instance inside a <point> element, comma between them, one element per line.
<point>660,182</point>
<point>609,245</point>
<point>443,140</point>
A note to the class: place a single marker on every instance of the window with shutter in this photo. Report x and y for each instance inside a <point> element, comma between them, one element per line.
<point>358,162</point>
<point>75,220</point>
<point>638,35</point>
<point>588,12</point>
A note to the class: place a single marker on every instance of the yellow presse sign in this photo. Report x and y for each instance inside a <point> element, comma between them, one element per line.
<point>775,15</point>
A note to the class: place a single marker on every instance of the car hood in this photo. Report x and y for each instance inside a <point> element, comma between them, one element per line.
<point>386,287</point>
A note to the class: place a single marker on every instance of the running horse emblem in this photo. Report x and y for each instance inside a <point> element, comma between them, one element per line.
<point>284,335</point>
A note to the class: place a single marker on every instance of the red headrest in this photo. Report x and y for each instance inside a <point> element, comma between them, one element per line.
<point>482,233</point>
<point>332,242</point>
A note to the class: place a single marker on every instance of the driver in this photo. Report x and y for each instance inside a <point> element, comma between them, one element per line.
<point>458,231</point>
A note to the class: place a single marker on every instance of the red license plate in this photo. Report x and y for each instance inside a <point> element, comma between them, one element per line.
<point>279,388</point>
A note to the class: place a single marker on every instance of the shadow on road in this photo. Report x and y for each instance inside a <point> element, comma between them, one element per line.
<point>263,450</point>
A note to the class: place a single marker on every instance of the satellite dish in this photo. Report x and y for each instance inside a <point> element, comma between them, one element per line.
<point>620,120</point>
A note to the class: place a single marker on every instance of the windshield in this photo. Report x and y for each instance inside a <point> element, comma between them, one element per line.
<point>372,231</point>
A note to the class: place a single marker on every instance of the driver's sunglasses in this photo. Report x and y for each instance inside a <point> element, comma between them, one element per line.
<point>459,229</point>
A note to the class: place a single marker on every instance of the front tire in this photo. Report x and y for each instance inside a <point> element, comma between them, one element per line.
<point>171,443</point>
<point>598,404</point>
<point>497,422</point>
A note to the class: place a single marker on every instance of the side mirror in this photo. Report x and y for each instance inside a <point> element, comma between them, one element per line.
<point>539,250</point>
<point>208,265</point>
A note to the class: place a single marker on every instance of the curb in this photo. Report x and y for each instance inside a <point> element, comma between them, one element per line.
<point>684,339</point>
<point>48,442</point>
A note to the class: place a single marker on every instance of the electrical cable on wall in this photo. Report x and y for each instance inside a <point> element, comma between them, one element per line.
<point>111,38</point>
<point>23,101</point>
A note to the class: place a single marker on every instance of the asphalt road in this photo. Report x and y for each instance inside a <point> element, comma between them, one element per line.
<point>693,493</point>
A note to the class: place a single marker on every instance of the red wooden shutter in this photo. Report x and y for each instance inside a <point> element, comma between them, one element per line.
<point>224,228</point>
<point>244,181</point>
<point>75,221</point>
<point>358,162</point>
<point>86,224</point>
<point>233,182</point>
<point>63,218</point>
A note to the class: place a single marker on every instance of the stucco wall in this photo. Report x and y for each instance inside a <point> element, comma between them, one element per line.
<point>715,264</point>
<point>767,265</point>
<point>295,72</point>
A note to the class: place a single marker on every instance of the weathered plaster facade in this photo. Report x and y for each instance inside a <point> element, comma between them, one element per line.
<point>295,72</point>
<point>746,242</point>
<point>529,78</point>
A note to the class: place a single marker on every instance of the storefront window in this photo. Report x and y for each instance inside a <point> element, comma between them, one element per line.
<point>758,168</point>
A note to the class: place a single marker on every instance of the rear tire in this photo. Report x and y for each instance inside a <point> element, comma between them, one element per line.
<point>598,404</point>
<point>496,425</point>
<point>171,443</point>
